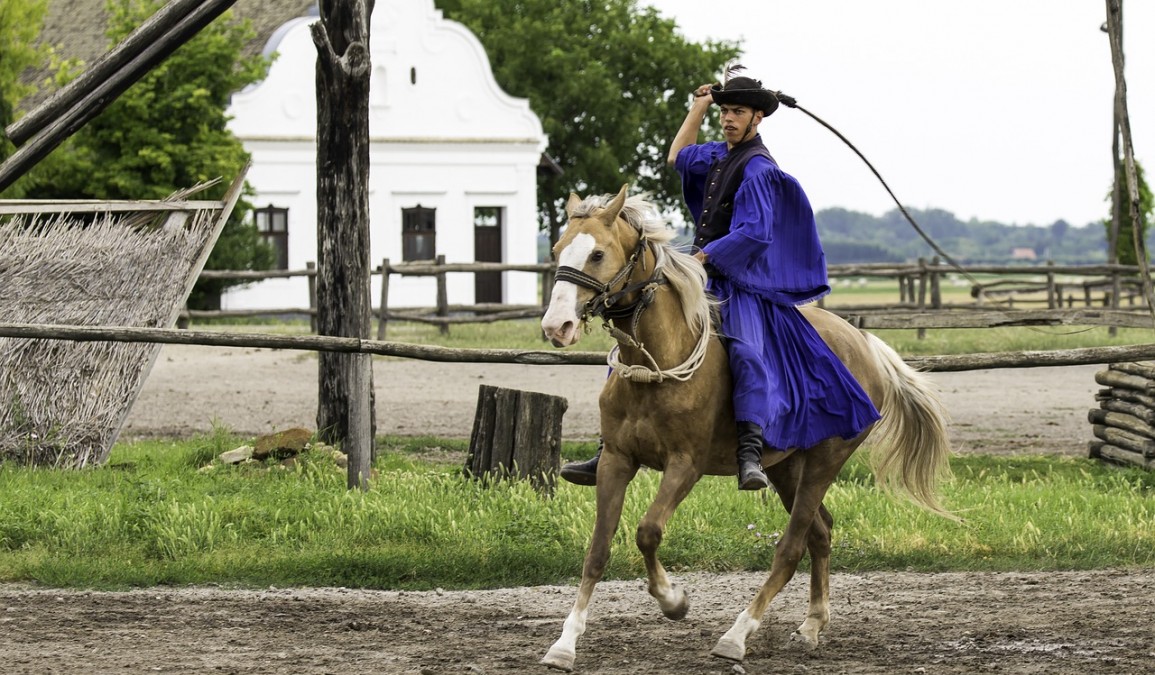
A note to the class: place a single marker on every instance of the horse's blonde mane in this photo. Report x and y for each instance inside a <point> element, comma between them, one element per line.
<point>684,273</point>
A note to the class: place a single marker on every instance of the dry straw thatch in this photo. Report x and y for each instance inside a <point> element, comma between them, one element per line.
<point>63,403</point>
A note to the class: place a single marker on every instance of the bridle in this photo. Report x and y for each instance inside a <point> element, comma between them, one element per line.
<point>604,305</point>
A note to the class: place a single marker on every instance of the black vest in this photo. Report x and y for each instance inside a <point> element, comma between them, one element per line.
<point>722,182</point>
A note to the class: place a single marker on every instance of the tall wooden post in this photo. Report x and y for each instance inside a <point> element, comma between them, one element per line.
<point>345,381</point>
<point>1126,162</point>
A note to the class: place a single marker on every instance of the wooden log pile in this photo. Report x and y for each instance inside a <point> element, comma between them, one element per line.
<point>1124,422</point>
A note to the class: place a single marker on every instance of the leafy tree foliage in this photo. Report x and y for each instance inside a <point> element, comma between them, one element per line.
<point>609,79</point>
<point>1126,244</point>
<point>20,24</point>
<point>168,132</point>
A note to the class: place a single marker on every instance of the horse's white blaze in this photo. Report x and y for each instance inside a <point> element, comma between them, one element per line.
<point>560,323</point>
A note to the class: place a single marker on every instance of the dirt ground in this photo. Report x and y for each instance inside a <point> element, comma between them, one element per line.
<point>1071,622</point>
<point>1067,623</point>
<point>255,391</point>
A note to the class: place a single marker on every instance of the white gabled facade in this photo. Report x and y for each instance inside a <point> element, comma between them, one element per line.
<point>443,135</point>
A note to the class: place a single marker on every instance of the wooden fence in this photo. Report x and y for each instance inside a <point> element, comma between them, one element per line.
<point>441,314</point>
<point>1014,295</point>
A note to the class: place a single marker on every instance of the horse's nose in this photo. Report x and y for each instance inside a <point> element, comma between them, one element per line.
<point>560,334</point>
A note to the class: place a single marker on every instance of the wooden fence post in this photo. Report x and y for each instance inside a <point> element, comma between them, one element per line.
<point>1054,294</point>
<point>935,289</point>
<point>384,305</point>
<point>1116,288</point>
<point>516,433</point>
<point>312,267</point>
<point>442,297</point>
<point>547,277</point>
<point>922,284</point>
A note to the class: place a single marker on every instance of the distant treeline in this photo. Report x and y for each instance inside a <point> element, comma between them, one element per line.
<point>855,237</point>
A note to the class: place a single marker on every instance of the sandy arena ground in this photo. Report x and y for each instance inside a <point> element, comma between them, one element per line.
<point>255,391</point>
<point>1065,623</point>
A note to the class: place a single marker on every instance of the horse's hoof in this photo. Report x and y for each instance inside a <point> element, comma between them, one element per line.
<point>559,659</point>
<point>805,641</point>
<point>679,610</point>
<point>729,650</point>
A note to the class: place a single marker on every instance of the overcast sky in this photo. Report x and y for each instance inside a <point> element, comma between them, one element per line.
<point>991,109</point>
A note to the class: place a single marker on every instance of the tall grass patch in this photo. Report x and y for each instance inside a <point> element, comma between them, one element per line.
<point>153,516</point>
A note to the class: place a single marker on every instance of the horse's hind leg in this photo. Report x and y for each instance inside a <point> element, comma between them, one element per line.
<point>814,478</point>
<point>818,612</point>
<point>677,481</point>
<point>785,479</point>
<point>614,474</point>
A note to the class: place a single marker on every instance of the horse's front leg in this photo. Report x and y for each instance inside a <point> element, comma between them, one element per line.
<point>614,474</point>
<point>679,477</point>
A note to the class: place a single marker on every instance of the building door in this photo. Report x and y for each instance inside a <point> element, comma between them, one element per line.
<point>487,227</point>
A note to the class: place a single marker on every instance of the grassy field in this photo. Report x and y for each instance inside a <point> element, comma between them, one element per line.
<point>153,516</point>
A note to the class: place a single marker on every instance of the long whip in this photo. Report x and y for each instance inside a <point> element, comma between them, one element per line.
<point>791,102</point>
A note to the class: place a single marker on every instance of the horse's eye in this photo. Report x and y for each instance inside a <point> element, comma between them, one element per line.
<point>597,256</point>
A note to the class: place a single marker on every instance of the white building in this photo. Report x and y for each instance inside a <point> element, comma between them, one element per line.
<point>453,160</point>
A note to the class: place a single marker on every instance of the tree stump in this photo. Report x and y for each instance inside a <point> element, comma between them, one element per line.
<point>516,434</point>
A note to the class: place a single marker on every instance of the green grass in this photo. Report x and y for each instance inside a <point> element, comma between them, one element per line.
<point>152,517</point>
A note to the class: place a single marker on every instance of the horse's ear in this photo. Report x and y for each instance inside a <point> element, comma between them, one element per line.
<point>572,204</point>
<point>610,213</point>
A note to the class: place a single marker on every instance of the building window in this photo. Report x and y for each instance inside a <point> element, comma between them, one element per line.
<point>273,224</point>
<point>487,216</point>
<point>418,233</point>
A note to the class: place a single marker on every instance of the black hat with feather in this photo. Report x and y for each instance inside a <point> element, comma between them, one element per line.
<point>745,91</point>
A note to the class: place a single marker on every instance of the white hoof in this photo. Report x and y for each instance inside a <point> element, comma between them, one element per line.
<point>559,659</point>
<point>678,608</point>
<point>729,649</point>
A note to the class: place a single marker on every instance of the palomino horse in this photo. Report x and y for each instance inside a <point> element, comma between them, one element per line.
<point>667,406</point>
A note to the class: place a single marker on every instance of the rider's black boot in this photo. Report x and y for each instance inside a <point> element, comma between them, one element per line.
<point>750,474</point>
<point>583,473</point>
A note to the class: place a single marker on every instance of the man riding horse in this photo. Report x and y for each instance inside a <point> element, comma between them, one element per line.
<point>756,235</point>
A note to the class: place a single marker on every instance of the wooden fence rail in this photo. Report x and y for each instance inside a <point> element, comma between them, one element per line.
<point>942,363</point>
<point>999,302</point>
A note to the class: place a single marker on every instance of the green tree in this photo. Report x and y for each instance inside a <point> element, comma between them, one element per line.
<point>168,132</point>
<point>20,24</point>
<point>610,81</point>
<point>1126,244</point>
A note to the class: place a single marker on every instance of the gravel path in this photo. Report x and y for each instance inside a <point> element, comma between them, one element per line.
<point>255,391</point>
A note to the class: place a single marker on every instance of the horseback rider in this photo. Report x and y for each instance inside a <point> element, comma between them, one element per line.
<point>756,235</point>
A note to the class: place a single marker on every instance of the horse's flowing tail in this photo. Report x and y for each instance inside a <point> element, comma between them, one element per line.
<point>910,448</point>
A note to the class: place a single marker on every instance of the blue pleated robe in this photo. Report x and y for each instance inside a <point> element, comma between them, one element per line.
<point>786,379</point>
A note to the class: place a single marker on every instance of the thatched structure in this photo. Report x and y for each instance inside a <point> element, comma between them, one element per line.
<point>63,403</point>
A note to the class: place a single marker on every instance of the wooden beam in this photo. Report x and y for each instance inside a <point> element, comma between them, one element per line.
<point>72,112</point>
<point>945,363</point>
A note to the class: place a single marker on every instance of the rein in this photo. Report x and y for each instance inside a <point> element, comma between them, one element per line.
<point>604,305</point>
